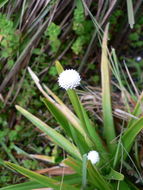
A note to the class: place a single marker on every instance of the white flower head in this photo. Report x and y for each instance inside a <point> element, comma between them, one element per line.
<point>93,156</point>
<point>69,79</point>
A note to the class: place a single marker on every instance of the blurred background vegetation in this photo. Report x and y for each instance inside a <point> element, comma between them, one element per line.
<point>36,33</point>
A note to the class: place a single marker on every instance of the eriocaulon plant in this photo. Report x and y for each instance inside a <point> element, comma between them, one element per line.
<point>95,160</point>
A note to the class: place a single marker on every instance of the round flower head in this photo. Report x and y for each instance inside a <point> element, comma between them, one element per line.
<point>69,79</point>
<point>93,156</point>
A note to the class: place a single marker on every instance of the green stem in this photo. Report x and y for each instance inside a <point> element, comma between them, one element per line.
<point>76,105</point>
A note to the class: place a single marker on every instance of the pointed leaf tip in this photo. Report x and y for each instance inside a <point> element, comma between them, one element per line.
<point>33,75</point>
<point>17,107</point>
<point>59,67</point>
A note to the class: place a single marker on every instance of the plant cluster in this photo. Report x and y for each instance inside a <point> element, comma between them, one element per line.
<point>9,39</point>
<point>96,160</point>
<point>52,32</point>
<point>67,37</point>
<point>83,28</point>
<point>136,36</point>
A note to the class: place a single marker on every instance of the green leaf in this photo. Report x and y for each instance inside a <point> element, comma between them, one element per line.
<point>24,186</point>
<point>79,140</point>
<point>82,115</point>
<point>66,125</point>
<point>68,121</point>
<point>77,106</point>
<point>59,67</point>
<point>137,110</point>
<point>3,2</point>
<point>96,178</point>
<point>127,140</point>
<point>130,134</point>
<point>85,121</point>
<point>84,171</point>
<point>58,115</point>
<point>70,129</point>
<point>56,137</point>
<point>79,5</point>
<point>114,175</point>
<point>39,178</point>
<point>53,31</point>
<point>124,185</point>
<point>109,129</point>
<point>70,179</point>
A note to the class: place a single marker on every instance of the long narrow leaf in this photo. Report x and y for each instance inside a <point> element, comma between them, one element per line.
<point>79,140</point>
<point>130,134</point>
<point>44,180</point>
<point>24,186</point>
<point>128,139</point>
<point>56,137</point>
<point>77,106</point>
<point>137,110</point>
<point>59,67</point>
<point>3,2</point>
<point>114,175</point>
<point>106,96</point>
<point>58,115</point>
<point>66,125</point>
<point>84,171</point>
<point>96,178</point>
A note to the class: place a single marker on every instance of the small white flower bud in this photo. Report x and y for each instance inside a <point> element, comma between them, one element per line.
<point>93,156</point>
<point>69,79</point>
<point>139,58</point>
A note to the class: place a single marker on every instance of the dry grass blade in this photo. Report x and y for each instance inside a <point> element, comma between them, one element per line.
<point>56,171</point>
<point>91,100</point>
<point>109,11</point>
<point>50,159</point>
<point>130,13</point>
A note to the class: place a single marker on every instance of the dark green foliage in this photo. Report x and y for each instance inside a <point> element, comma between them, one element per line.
<point>52,71</point>
<point>30,164</point>
<point>115,16</point>
<point>9,39</point>
<point>83,29</point>
<point>136,36</point>
<point>52,32</point>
